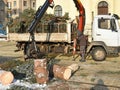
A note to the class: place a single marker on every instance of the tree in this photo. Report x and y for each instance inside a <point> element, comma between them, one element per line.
<point>28,15</point>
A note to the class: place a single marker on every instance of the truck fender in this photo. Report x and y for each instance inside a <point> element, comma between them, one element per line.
<point>96,44</point>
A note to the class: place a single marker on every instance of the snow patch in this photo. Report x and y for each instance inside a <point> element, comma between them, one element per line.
<point>22,83</point>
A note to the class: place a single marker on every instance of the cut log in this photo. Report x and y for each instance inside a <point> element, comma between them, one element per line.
<point>42,75</point>
<point>73,67</point>
<point>6,77</point>
<point>61,72</point>
<point>40,71</point>
<point>40,63</point>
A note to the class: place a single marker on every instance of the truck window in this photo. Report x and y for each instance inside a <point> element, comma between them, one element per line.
<point>108,24</point>
<point>104,24</point>
<point>113,25</point>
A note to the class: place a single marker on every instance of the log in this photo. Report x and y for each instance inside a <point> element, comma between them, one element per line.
<point>6,77</point>
<point>42,75</point>
<point>61,72</point>
<point>40,71</point>
<point>73,67</point>
<point>40,63</point>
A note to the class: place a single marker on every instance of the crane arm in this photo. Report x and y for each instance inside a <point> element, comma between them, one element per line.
<point>40,12</point>
<point>80,8</point>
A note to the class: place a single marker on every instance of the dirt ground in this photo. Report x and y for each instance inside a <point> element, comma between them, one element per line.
<point>91,74</point>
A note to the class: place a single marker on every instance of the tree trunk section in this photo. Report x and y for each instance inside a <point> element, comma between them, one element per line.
<point>73,67</point>
<point>40,71</point>
<point>61,72</point>
<point>6,77</point>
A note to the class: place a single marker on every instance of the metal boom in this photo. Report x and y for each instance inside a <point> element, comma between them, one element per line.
<point>40,12</point>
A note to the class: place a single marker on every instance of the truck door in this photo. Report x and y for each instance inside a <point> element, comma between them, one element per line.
<point>107,32</point>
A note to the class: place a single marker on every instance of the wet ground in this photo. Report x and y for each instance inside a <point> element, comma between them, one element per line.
<point>91,75</point>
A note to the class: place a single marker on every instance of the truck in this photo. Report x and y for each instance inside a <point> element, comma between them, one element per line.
<point>105,37</point>
<point>52,38</point>
<point>59,36</point>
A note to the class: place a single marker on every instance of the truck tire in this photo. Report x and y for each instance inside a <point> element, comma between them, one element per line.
<point>98,54</point>
<point>30,52</point>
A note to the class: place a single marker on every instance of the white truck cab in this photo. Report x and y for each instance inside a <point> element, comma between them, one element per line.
<point>105,37</point>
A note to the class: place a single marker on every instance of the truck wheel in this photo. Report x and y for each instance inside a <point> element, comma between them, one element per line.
<point>98,54</point>
<point>26,51</point>
<point>30,52</point>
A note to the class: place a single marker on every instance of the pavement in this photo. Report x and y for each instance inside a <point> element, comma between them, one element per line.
<point>91,75</point>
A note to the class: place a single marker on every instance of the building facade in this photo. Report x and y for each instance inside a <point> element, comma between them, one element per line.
<point>15,7</point>
<point>2,11</point>
<point>92,8</point>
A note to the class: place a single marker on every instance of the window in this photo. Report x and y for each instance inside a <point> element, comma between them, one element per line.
<point>58,10</point>
<point>103,4</point>
<point>102,8</point>
<point>104,23</point>
<point>14,3</point>
<point>33,4</point>
<point>14,11</point>
<point>8,15</point>
<point>9,5</point>
<point>24,3</point>
<point>113,25</point>
<point>108,24</point>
